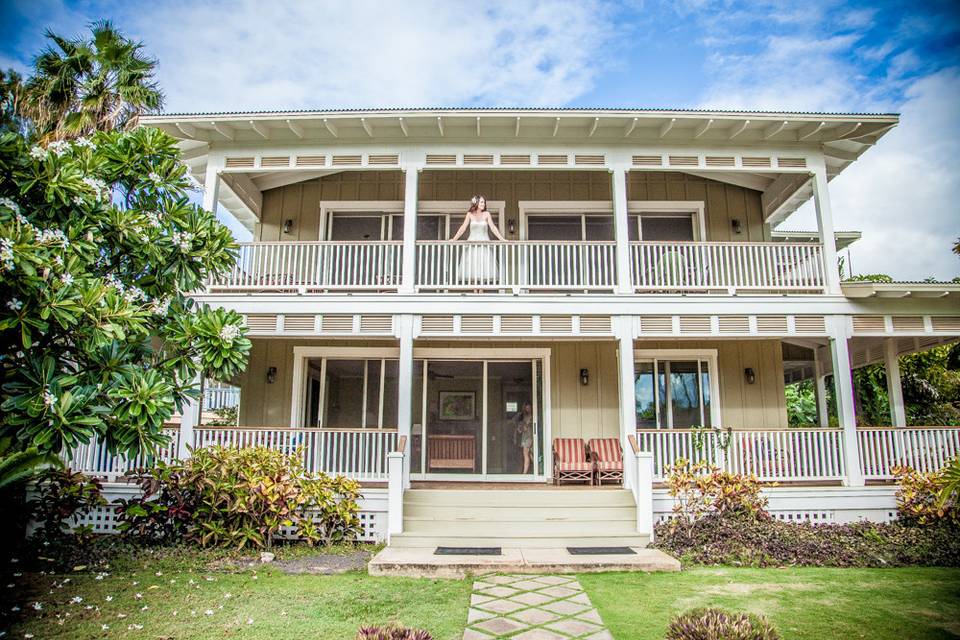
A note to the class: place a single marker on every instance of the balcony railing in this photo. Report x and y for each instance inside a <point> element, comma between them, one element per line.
<point>303,267</point>
<point>730,266</point>
<point>583,266</point>
<point>95,459</point>
<point>921,448</point>
<point>313,266</point>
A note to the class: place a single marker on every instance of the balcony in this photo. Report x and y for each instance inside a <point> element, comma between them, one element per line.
<point>525,266</point>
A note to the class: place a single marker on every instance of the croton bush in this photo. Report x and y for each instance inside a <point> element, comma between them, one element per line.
<point>392,632</point>
<point>721,518</point>
<point>229,497</point>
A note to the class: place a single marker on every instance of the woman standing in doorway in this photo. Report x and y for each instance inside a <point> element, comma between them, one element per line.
<point>478,263</point>
<point>524,434</point>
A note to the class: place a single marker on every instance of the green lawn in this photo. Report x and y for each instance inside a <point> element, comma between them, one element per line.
<point>802,602</point>
<point>199,595</point>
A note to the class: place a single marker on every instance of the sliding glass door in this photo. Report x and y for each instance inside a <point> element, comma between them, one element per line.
<point>675,393</point>
<point>478,419</point>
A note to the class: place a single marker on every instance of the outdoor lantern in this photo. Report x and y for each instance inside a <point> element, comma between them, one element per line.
<point>737,225</point>
<point>749,375</point>
<point>287,225</point>
<point>271,375</point>
<point>511,227</point>
<point>584,377</point>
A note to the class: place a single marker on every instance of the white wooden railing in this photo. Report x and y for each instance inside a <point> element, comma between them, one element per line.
<point>446,265</point>
<point>94,459</point>
<point>360,454</point>
<point>220,398</point>
<point>782,455</point>
<point>921,448</point>
<point>703,266</point>
<point>313,266</point>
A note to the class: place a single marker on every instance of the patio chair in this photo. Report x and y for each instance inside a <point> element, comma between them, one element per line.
<point>607,459</point>
<point>570,461</point>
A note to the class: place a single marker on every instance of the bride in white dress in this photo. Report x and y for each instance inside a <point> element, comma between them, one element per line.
<point>478,263</point>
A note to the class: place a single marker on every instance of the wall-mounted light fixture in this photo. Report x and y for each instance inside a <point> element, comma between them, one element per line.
<point>287,225</point>
<point>750,376</point>
<point>737,225</point>
<point>511,227</point>
<point>584,377</point>
<point>271,375</point>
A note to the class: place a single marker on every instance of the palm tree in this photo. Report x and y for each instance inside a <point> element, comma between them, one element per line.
<point>81,86</point>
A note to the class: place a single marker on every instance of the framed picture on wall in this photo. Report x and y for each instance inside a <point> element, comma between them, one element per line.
<point>457,405</point>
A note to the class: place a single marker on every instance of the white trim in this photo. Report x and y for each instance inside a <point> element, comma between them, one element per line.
<point>710,355</point>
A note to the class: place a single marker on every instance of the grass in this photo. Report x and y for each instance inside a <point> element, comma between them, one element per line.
<point>175,594</point>
<point>879,604</point>
<point>188,594</point>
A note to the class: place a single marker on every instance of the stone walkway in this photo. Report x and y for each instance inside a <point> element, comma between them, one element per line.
<point>532,607</point>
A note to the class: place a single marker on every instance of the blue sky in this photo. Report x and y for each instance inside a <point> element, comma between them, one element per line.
<point>815,55</point>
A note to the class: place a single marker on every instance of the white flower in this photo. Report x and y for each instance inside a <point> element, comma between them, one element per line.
<point>10,204</point>
<point>109,598</point>
<point>229,332</point>
<point>38,153</point>
<point>78,200</point>
<point>249,620</point>
<point>37,606</point>
<point>6,254</point>
<point>208,612</point>
<point>131,627</point>
<point>104,627</point>
<point>58,260</point>
<point>159,307</point>
<point>59,147</point>
<point>154,177</point>
<point>14,304</point>
<point>76,600</point>
<point>84,142</point>
<point>99,187</point>
<point>138,596</point>
<point>53,236</point>
<point>184,240</point>
<point>49,399</point>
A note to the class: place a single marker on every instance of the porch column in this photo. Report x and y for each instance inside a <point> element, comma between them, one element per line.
<point>898,415</point>
<point>211,186</point>
<point>405,389</point>
<point>623,330</point>
<point>189,418</point>
<point>843,389</point>
<point>821,199</point>
<point>410,199</point>
<point>820,391</point>
<point>621,225</point>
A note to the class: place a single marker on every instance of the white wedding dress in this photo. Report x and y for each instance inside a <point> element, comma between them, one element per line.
<point>478,263</point>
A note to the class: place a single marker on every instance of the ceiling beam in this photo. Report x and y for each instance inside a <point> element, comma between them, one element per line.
<point>737,130</point>
<point>478,126</point>
<point>440,125</point>
<point>851,129</point>
<point>593,127</point>
<point>810,130</point>
<point>773,130</point>
<point>197,152</point>
<point>403,127</point>
<point>186,129</point>
<point>556,126</point>
<point>223,129</point>
<point>332,128</point>
<point>630,127</point>
<point>702,129</point>
<point>665,129</point>
<point>260,130</point>
<point>296,128</point>
<point>740,179</point>
<point>840,154</point>
<point>366,127</point>
<point>244,188</point>
<point>282,179</point>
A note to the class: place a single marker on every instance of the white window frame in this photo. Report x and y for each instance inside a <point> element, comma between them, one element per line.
<point>300,375</point>
<point>710,355</point>
<point>448,208</point>
<point>635,208</point>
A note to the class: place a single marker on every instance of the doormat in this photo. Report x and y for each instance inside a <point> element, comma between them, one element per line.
<point>467,551</point>
<point>601,551</point>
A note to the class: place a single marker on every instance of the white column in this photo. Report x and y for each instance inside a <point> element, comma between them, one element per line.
<point>211,186</point>
<point>898,415</point>
<point>821,199</point>
<point>820,387</point>
<point>645,493</point>
<point>411,184</point>
<point>405,389</point>
<point>623,327</point>
<point>621,225</point>
<point>394,493</point>
<point>843,389</point>
<point>189,418</point>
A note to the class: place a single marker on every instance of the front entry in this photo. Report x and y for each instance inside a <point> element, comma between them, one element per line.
<point>478,419</point>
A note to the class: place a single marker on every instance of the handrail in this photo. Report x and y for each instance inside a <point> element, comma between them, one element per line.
<point>333,243</point>
<point>742,430</point>
<point>723,243</point>
<point>599,243</point>
<point>632,439</point>
<point>208,427</point>
<point>401,445</point>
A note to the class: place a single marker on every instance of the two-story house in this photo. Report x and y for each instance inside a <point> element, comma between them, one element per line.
<point>640,292</point>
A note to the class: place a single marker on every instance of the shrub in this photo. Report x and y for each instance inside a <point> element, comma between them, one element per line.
<point>701,488</point>
<point>62,499</point>
<point>717,624</point>
<point>229,497</point>
<point>920,497</point>
<point>392,632</point>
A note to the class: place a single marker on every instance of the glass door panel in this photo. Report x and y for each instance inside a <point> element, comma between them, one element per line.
<point>454,418</point>
<point>510,418</point>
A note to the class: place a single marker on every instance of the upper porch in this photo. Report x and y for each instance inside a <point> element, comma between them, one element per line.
<point>622,202</point>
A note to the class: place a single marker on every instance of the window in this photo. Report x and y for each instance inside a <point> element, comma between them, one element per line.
<point>354,393</point>
<point>358,226</point>
<point>665,227</point>
<point>570,226</point>
<point>674,392</point>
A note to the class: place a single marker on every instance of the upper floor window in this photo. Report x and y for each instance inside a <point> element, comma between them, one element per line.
<point>663,226</point>
<point>567,226</point>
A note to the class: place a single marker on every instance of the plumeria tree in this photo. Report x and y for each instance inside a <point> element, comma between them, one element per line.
<point>100,248</point>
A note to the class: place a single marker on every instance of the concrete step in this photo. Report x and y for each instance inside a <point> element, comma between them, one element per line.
<point>510,529</point>
<point>473,513</point>
<point>406,539</point>
<point>519,497</point>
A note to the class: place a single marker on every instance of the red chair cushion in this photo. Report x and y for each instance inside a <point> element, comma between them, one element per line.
<point>607,449</point>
